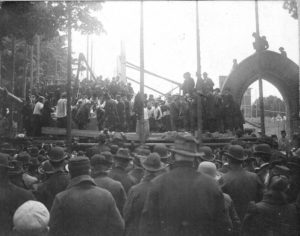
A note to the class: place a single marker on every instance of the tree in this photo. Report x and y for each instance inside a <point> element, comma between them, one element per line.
<point>291,6</point>
<point>272,105</point>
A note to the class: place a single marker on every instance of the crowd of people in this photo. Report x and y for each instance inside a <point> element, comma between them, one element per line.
<point>115,107</point>
<point>184,189</point>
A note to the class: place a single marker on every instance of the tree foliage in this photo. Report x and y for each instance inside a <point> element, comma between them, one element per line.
<point>291,6</point>
<point>272,105</point>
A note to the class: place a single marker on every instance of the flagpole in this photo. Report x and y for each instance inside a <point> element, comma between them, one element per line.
<point>199,108</point>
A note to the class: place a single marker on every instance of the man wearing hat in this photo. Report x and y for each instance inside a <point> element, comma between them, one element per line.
<point>31,219</point>
<point>11,197</point>
<point>183,201</point>
<point>101,163</point>
<point>118,172</point>
<point>57,182</point>
<point>28,179</point>
<point>242,186</point>
<point>83,208</point>
<point>262,153</point>
<point>137,172</point>
<point>137,194</point>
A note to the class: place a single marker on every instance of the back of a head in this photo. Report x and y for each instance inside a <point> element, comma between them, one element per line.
<point>278,183</point>
<point>31,218</point>
<point>79,165</point>
<point>209,168</point>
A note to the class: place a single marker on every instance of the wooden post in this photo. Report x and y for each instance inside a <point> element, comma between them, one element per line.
<point>25,71</point>
<point>87,55</point>
<point>11,108</point>
<point>31,68</point>
<point>199,104</point>
<point>38,44</point>
<point>69,78</point>
<point>0,68</point>
<point>298,9</point>
<point>260,83</point>
<point>142,133</point>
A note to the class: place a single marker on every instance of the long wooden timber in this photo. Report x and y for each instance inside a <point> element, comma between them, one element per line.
<point>152,140</point>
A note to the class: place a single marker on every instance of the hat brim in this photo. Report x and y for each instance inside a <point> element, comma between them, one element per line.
<point>235,158</point>
<point>186,153</point>
<point>59,160</point>
<point>263,153</point>
<point>211,158</point>
<point>152,169</point>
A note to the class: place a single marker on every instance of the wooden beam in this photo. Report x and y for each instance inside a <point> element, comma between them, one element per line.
<point>132,66</point>
<point>135,81</point>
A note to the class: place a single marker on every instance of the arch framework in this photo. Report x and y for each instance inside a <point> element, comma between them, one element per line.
<point>271,66</point>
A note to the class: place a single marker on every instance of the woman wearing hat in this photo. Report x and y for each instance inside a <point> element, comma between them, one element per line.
<point>137,194</point>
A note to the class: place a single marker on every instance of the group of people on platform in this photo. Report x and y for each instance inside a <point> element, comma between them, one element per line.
<point>118,109</point>
<point>116,188</point>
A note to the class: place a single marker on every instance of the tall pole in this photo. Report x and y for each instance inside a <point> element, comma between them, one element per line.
<point>38,45</point>
<point>260,83</point>
<point>69,78</point>
<point>31,68</point>
<point>298,9</point>
<point>199,107</point>
<point>142,133</point>
<point>92,54</point>
<point>25,71</point>
<point>87,55</point>
<point>0,68</point>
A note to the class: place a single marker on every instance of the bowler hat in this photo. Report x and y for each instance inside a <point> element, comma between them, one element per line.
<point>57,154</point>
<point>153,163</point>
<point>162,151</point>
<point>186,145</point>
<point>99,159</point>
<point>206,153</point>
<point>108,156</point>
<point>236,152</point>
<point>4,160</point>
<point>123,153</point>
<point>263,148</point>
<point>23,157</point>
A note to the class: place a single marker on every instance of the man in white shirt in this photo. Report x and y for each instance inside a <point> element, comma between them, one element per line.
<point>61,111</point>
<point>157,116</point>
<point>37,117</point>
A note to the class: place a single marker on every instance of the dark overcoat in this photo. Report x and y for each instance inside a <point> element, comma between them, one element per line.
<point>56,183</point>
<point>134,206</point>
<point>183,202</point>
<point>243,187</point>
<point>114,187</point>
<point>85,209</point>
<point>272,216</point>
<point>119,174</point>
<point>11,197</point>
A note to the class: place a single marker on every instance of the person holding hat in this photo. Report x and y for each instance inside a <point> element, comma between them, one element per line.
<point>183,201</point>
<point>273,215</point>
<point>31,219</point>
<point>101,163</point>
<point>57,181</point>
<point>137,194</point>
<point>11,197</point>
<point>242,186</point>
<point>118,172</point>
<point>83,208</point>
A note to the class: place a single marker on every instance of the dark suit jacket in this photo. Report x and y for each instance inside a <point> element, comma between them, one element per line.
<point>11,197</point>
<point>85,209</point>
<point>184,202</point>
<point>119,174</point>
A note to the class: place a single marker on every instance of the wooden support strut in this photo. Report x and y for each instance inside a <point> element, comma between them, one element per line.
<point>132,66</point>
<point>135,81</point>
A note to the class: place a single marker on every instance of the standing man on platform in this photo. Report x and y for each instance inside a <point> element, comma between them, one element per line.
<point>37,117</point>
<point>61,111</point>
<point>188,83</point>
<point>208,84</point>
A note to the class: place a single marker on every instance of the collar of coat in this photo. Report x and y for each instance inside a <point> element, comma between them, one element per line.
<point>79,179</point>
<point>99,173</point>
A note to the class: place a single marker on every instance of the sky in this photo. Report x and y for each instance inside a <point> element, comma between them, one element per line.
<point>170,38</point>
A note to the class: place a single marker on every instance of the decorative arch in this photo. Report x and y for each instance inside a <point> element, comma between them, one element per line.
<point>279,71</point>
